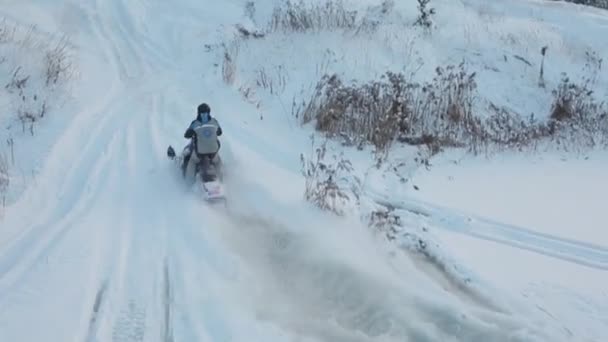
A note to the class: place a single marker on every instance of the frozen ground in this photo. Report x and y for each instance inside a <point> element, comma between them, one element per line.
<point>107,244</point>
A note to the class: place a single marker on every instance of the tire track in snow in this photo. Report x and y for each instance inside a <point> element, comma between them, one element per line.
<point>73,186</point>
<point>167,326</point>
<point>118,239</point>
<point>76,182</point>
<point>155,60</point>
<point>85,161</point>
<point>128,324</point>
<point>127,49</point>
<point>137,273</point>
<point>108,256</point>
<point>131,325</point>
<point>133,265</point>
<point>437,272</point>
<point>37,269</point>
<point>142,278</point>
<point>28,251</point>
<point>191,261</point>
<point>198,276</point>
<point>130,63</point>
<point>137,59</point>
<point>582,253</point>
<point>95,313</point>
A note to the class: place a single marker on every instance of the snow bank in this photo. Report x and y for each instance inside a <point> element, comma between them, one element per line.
<point>35,71</point>
<point>501,45</point>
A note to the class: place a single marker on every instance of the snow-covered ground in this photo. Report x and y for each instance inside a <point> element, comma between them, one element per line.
<point>554,194</point>
<point>106,243</point>
<point>550,244</point>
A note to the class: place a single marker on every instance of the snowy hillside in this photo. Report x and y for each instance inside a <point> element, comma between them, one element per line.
<point>459,196</point>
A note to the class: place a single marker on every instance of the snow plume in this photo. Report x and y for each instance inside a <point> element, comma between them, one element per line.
<point>328,287</point>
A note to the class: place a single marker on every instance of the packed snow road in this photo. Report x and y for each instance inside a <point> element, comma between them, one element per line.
<point>108,246</point>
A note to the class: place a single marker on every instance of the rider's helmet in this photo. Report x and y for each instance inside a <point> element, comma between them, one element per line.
<point>203,108</point>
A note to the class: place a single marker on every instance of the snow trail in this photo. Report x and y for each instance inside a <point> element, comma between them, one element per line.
<point>580,252</point>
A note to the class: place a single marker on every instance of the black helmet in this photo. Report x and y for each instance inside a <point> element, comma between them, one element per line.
<point>203,108</point>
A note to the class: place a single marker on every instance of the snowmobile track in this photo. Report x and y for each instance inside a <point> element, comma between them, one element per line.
<point>582,253</point>
<point>95,314</point>
<point>167,327</point>
<point>131,324</point>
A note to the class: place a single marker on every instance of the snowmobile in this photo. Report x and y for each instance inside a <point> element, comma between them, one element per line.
<point>208,175</point>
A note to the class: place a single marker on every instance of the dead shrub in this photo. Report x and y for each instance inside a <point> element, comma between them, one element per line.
<point>576,117</point>
<point>31,107</point>
<point>572,101</point>
<point>246,33</point>
<point>594,3</point>
<point>229,62</point>
<point>439,114</point>
<point>385,221</point>
<point>329,185</point>
<point>58,63</point>
<point>425,15</point>
<point>18,82</point>
<point>378,112</point>
<point>302,17</point>
<point>35,84</point>
<point>274,80</point>
<point>444,106</point>
<point>4,178</point>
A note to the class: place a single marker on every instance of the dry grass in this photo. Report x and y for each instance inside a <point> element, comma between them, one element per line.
<point>439,114</point>
<point>304,17</point>
<point>34,67</point>
<point>4,178</point>
<point>229,62</point>
<point>595,3</point>
<point>58,63</point>
<point>326,184</point>
<point>395,109</point>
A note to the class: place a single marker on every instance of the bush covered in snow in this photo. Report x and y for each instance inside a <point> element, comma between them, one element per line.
<point>33,71</point>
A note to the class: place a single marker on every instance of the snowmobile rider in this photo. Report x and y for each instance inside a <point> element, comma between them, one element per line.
<point>203,120</point>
